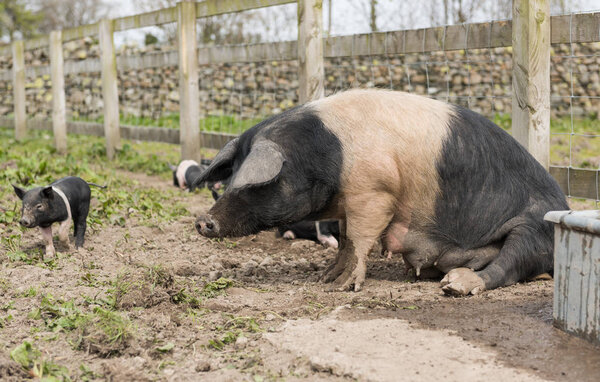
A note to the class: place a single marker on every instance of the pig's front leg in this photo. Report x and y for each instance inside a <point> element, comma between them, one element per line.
<point>341,258</point>
<point>367,216</point>
<point>47,236</point>
<point>63,232</point>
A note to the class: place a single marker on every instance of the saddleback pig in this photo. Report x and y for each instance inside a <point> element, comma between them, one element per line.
<point>440,184</point>
<point>65,200</point>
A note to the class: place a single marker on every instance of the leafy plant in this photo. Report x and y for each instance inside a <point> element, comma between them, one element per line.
<point>216,288</point>
<point>58,315</point>
<point>30,358</point>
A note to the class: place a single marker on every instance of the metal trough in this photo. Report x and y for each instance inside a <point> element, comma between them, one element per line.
<point>577,272</point>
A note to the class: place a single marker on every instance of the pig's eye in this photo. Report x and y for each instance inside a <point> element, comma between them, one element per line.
<point>39,207</point>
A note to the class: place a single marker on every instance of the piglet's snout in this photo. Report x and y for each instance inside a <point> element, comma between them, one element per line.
<point>206,226</point>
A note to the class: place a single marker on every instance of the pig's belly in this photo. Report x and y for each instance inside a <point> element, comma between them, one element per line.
<point>394,237</point>
<point>421,251</point>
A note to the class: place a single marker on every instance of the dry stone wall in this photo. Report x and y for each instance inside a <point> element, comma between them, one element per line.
<point>478,79</point>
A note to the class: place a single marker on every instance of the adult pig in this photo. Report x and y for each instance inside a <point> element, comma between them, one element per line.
<point>442,185</point>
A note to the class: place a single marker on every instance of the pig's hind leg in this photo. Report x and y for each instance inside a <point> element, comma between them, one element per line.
<point>80,224</point>
<point>460,266</point>
<point>525,252</point>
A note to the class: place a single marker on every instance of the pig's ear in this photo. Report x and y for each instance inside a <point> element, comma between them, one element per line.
<point>19,191</point>
<point>47,192</point>
<point>220,167</point>
<point>263,165</point>
<point>172,167</point>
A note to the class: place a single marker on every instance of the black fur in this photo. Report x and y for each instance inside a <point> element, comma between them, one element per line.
<point>52,208</point>
<point>309,178</point>
<point>493,190</point>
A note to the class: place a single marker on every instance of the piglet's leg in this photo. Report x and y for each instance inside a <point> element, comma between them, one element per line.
<point>47,236</point>
<point>63,232</point>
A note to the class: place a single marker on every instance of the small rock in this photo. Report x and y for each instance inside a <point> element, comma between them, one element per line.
<point>267,261</point>
<point>248,267</point>
<point>269,317</point>
<point>214,275</point>
<point>203,366</point>
<point>241,342</point>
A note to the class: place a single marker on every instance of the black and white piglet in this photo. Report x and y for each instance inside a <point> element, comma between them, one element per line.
<point>188,170</point>
<point>185,172</point>
<point>63,201</point>
<point>326,232</point>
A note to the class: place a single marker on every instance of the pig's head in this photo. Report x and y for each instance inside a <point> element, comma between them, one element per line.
<point>277,176</point>
<point>39,207</point>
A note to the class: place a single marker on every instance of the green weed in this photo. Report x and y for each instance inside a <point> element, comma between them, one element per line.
<point>105,332</point>
<point>233,328</point>
<point>30,358</point>
<point>216,288</point>
<point>58,315</point>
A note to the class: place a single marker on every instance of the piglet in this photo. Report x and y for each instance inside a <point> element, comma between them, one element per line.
<point>188,170</point>
<point>63,201</point>
<point>326,232</point>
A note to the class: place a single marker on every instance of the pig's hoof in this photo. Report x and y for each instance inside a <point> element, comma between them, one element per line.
<point>333,271</point>
<point>349,280</point>
<point>461,282</point>
<point>289,235</point>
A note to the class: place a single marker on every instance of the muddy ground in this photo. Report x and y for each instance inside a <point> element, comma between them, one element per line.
<point>275,322</point>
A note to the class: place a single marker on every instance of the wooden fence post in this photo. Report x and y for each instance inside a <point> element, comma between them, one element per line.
<point>531,77</point>
<point>18,51</point>
<point>59,124</point>
<point>189,99</point>
<point>110,91</point>
<point>310,50</point>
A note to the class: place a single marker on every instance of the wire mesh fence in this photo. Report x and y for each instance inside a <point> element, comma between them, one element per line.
<point>236,96</point>
<point>575,99</point>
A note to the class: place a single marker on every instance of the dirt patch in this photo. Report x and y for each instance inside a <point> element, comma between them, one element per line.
<point>275,321</point>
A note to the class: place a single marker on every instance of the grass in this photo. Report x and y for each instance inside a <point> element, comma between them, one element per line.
<point>584,150</point>
<point>218,124</point>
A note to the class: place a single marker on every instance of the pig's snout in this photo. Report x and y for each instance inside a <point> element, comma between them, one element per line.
<point>25,222</point>
<point>206,226</point>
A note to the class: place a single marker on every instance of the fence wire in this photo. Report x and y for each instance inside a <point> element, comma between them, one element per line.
<point>236,96</point>
<point>575,98</point>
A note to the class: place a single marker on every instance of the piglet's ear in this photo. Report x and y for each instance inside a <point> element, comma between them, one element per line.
<point>263,165</point>
<point>19,191</point>
<point>47,192</point>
